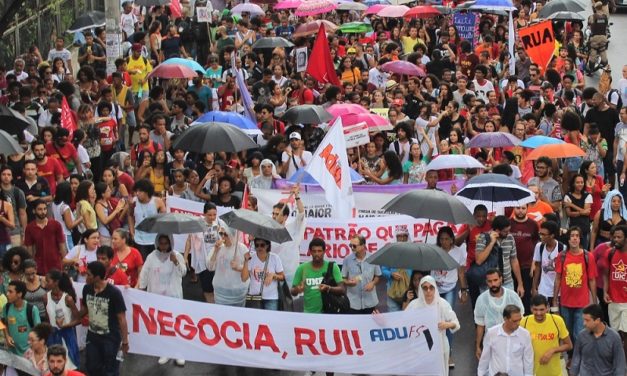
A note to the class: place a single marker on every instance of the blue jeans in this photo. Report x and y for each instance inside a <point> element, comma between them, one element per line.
<point>271,304</point>
<point>451,298</point>
<point>393,306</point>
<point>101,355</point>
<point>69,242</point>
<point>573,318</point>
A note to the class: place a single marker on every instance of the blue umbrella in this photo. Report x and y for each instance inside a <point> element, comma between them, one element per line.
<point>191,64</point>
<point>493,5</point>
<point>233,118</point>
<point>537,141</point>
<point>302,177</point>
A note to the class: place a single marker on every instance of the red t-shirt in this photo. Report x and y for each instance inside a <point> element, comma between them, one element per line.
<point>600,256</point>
<point>49,171</point>
<point>574,279</point>
<point>66,154</point>
<point>117,278</point>
<point>69,373</point>
<point>618,277</point>
<point>107,134</point>
<point>526,236</point>
<point>130,265</point>
<point>471,241</point>
<point>46,245</point>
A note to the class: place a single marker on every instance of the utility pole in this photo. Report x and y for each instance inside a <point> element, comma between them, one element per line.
<point>114,33</point>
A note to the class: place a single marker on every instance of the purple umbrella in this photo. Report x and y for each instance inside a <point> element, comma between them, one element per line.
<point>493,140</point>
<point>403,67</point>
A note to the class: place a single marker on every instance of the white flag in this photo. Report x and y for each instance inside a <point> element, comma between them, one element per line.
<point>331,170</point>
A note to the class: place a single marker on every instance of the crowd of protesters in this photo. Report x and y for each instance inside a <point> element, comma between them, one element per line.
<point>70,206</point>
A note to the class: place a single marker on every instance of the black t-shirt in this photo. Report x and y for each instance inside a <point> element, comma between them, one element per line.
<point>103,309</point>
<point>39,189</point>
<point>234,202</point>
<point>446,124</point>
<point>171,47</point>
<point>606,121</point>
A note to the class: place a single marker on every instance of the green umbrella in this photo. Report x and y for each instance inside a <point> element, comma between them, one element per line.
<point>355,28</point>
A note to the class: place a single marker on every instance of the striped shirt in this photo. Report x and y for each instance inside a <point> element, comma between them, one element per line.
<point>509,253</point>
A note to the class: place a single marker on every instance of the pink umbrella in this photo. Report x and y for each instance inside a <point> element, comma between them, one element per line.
<point>393,11</point>
<point>374,9</point>
<point>313,7</point>
<point>287,4</point>
<point>341,109</point>
<point>172,71</point>
<point>375,122</point>
<point>403,67</point>
<point>311,28</point>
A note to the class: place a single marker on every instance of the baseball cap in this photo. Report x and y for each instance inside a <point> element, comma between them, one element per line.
<point>295,135</point>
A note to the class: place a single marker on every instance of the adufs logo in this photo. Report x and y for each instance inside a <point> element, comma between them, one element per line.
<point>395,334</point>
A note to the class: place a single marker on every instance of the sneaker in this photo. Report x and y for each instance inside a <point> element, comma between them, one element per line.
<point>163,360</point>
<point>180,362</point>
<point>451,363</point>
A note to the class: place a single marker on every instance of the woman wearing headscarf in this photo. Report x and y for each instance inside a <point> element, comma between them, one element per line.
<point>227,261</point>
<point>265,180</point>
<point>612,213</point>
<point>163,274</point>
<point>428,296</point>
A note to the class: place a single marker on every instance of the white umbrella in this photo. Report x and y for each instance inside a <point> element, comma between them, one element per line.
<point>444,162</point>
<point>349,5</point>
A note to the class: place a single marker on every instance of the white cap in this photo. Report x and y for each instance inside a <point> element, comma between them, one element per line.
<point>295,135</point>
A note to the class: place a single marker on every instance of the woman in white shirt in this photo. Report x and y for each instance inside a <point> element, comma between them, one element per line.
<point>82,254</point>
<point>62,212</point>
<point>447,280</point>
<point>266,270</point>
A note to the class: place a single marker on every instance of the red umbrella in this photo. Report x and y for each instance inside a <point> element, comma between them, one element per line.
<point>375,122</point>
<point>422,11</point>
<point>311,28</point>
<point>172,71</point>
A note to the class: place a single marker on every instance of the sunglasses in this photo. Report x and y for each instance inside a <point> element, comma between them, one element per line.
<point>261,245</point>
<point>427,288</point>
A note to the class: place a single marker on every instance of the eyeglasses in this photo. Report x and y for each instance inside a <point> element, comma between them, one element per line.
<point>261,245</point>
<point>427,288</point>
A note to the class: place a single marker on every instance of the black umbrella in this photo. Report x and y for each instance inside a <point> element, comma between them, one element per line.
<point>494,191</point>
<point>258,225</point>
<point>213,137</point>
<point>272,42</point>
<point>12,121</point>
<point>555,6</point>
<point>415,256</point>
<point>8,144</point>
<point>567,16</point>
<point>172,223</point>
<point>431,204</point>
<point>89,20</point>
<point>307,114</point>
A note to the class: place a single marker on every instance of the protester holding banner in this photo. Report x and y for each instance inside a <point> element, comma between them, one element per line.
<point>428,296</point>
<point>163,274</point>
<point>227,262</point>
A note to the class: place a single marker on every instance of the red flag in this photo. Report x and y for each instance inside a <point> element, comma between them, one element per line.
<point>68,119</point>
<point>175,9</point>
<point>320,65</point>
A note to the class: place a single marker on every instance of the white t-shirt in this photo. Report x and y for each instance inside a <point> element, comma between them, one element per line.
<point>547,265</point>
<point>402,148</point>
<point>127,23</point>
<point>291,169</point>
<point>447,279</point>
<point>83,156</point>
<point>431,132</point>
<point>256,267</point>
<point>377,78</point>
<point>85,256</point>
<point>622,89</point>
<point>482,90</point>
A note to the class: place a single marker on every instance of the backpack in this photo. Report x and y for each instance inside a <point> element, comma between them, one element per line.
<point>476,273</point>
<point>619,104</point>
<point>560,247</point>
<point>155,147</point>
<point>29,313</point>
<point>332,303</point>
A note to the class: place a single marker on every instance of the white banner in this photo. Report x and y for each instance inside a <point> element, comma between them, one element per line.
<point>378,231</point>
<point>210,333</point>
<point>356,135</point>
